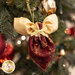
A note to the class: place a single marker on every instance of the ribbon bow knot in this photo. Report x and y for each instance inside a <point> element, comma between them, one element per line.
<point>25,27</point>
<point>38,31</point>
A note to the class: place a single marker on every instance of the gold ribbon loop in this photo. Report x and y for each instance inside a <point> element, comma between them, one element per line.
<point>51,24</point>
<point>25,27</point>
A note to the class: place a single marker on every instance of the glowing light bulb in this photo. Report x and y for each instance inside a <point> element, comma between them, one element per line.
<point>23,37</point>
<point>28,57</point>
<point>18,42</point>
<point>67,31</point>
<point>62,52</point>
<point>64,65</point>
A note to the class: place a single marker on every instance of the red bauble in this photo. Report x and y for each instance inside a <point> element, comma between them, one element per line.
<point>2,44</point>
<point>7,51</point>
<point>41,50</point>
<point>7,54</point>
<point>71,31</point>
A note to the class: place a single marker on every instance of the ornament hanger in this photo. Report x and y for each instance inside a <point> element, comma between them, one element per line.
<point>31,13</point>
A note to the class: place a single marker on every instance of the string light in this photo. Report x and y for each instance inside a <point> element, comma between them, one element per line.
<point>18,42</point>
<point>23,37</point>
<point>28,57</point>
<point>64,65</point>
<point>62,52</point>
<point>74,51</point>
<point>67,31</point>
<point>33,73</point>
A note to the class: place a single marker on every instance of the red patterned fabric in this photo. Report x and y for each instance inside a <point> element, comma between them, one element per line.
<point>41,50</point>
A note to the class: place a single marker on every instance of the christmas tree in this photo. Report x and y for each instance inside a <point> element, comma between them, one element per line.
<point>56,53</point>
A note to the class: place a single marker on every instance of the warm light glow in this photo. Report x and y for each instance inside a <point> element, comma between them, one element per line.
<point>67,31</point>
<point>64,65</point>
<point>23,37</point>
<point>28,57</point>
<point>18,42</point>
<point>50,2</point>
<point>62,52</point>
<point>2,60</point>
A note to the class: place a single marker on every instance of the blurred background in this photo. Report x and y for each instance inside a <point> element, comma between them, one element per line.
<point>16,49</point>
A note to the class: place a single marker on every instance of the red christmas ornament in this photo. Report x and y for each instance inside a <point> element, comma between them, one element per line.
<point>2,44</point>
<point>8,53</point>
<point>6,50</point>
<point>70,31</point>
<point>41,50</point>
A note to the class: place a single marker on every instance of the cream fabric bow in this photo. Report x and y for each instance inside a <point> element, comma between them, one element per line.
<point>25,27</point>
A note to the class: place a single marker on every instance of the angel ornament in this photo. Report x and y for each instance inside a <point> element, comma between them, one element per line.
<point>41,47</point>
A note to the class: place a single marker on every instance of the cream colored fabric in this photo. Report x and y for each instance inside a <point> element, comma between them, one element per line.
<point>25,27</point>
<point>51,23</point>
<point>48,4</point>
